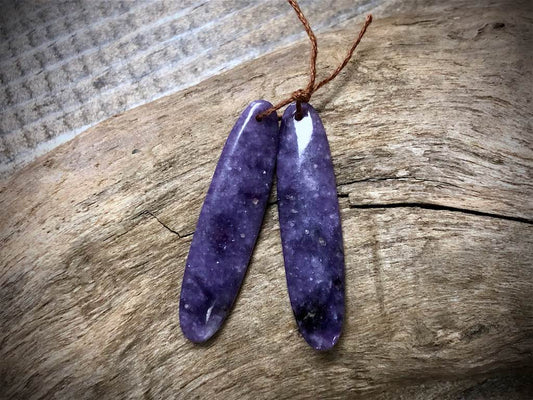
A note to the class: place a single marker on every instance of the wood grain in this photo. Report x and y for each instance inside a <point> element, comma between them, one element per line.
<point>65,66</point>
<point>430,130</point>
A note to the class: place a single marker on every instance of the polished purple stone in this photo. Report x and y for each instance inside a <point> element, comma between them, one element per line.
<point>229,223</point>
<point>310,225</point>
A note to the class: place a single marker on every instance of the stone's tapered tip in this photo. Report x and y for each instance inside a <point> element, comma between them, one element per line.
<point>310,227</point>
<point>198,335</point>
<point>320,323</point>
<point>229,223</point>
<point>199,327</point>
<point>322,342</point>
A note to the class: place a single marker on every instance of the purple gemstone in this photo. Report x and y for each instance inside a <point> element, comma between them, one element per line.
<point>229,223</point>
<point>310,225</point>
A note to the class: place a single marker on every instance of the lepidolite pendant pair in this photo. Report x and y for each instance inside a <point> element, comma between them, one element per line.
<point>233,211</point>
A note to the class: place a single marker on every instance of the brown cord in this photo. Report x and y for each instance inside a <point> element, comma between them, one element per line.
<point>304,95</point>
<point>368,21</point>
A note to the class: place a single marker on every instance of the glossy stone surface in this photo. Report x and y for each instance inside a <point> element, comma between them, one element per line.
<point>310,225</point>
<point>229,223</point>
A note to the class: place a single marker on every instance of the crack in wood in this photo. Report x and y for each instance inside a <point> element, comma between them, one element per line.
<point>421,205</point>
<point>439,207</point>
<point>166,226</point>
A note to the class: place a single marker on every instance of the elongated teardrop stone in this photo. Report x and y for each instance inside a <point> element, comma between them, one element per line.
<point>310,225</point>
<point>229,223</point>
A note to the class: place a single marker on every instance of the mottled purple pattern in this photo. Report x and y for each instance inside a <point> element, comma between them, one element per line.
<point>228,224</point>
<point>310,228</point>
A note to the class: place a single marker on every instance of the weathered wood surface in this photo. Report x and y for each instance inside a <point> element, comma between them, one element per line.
<point>430,130</point>
<point>67,65</point>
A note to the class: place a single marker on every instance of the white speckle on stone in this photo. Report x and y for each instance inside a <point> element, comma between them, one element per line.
<point>255,200</point>
<point>186,306</point>
<point>218,262</point>
<point>209,313</point>
<point>315,166</point>
<point>311,279</point>
<point>304,133</point>
<point>321,241</point>
<point>243,235</point>
<point>293,211</point>
<point>307,231</point>
<point>264,172</point>
<point>291,223</point>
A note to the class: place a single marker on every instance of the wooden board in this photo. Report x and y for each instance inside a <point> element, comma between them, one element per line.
<point>430,130</point>
<point>65,66</point>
